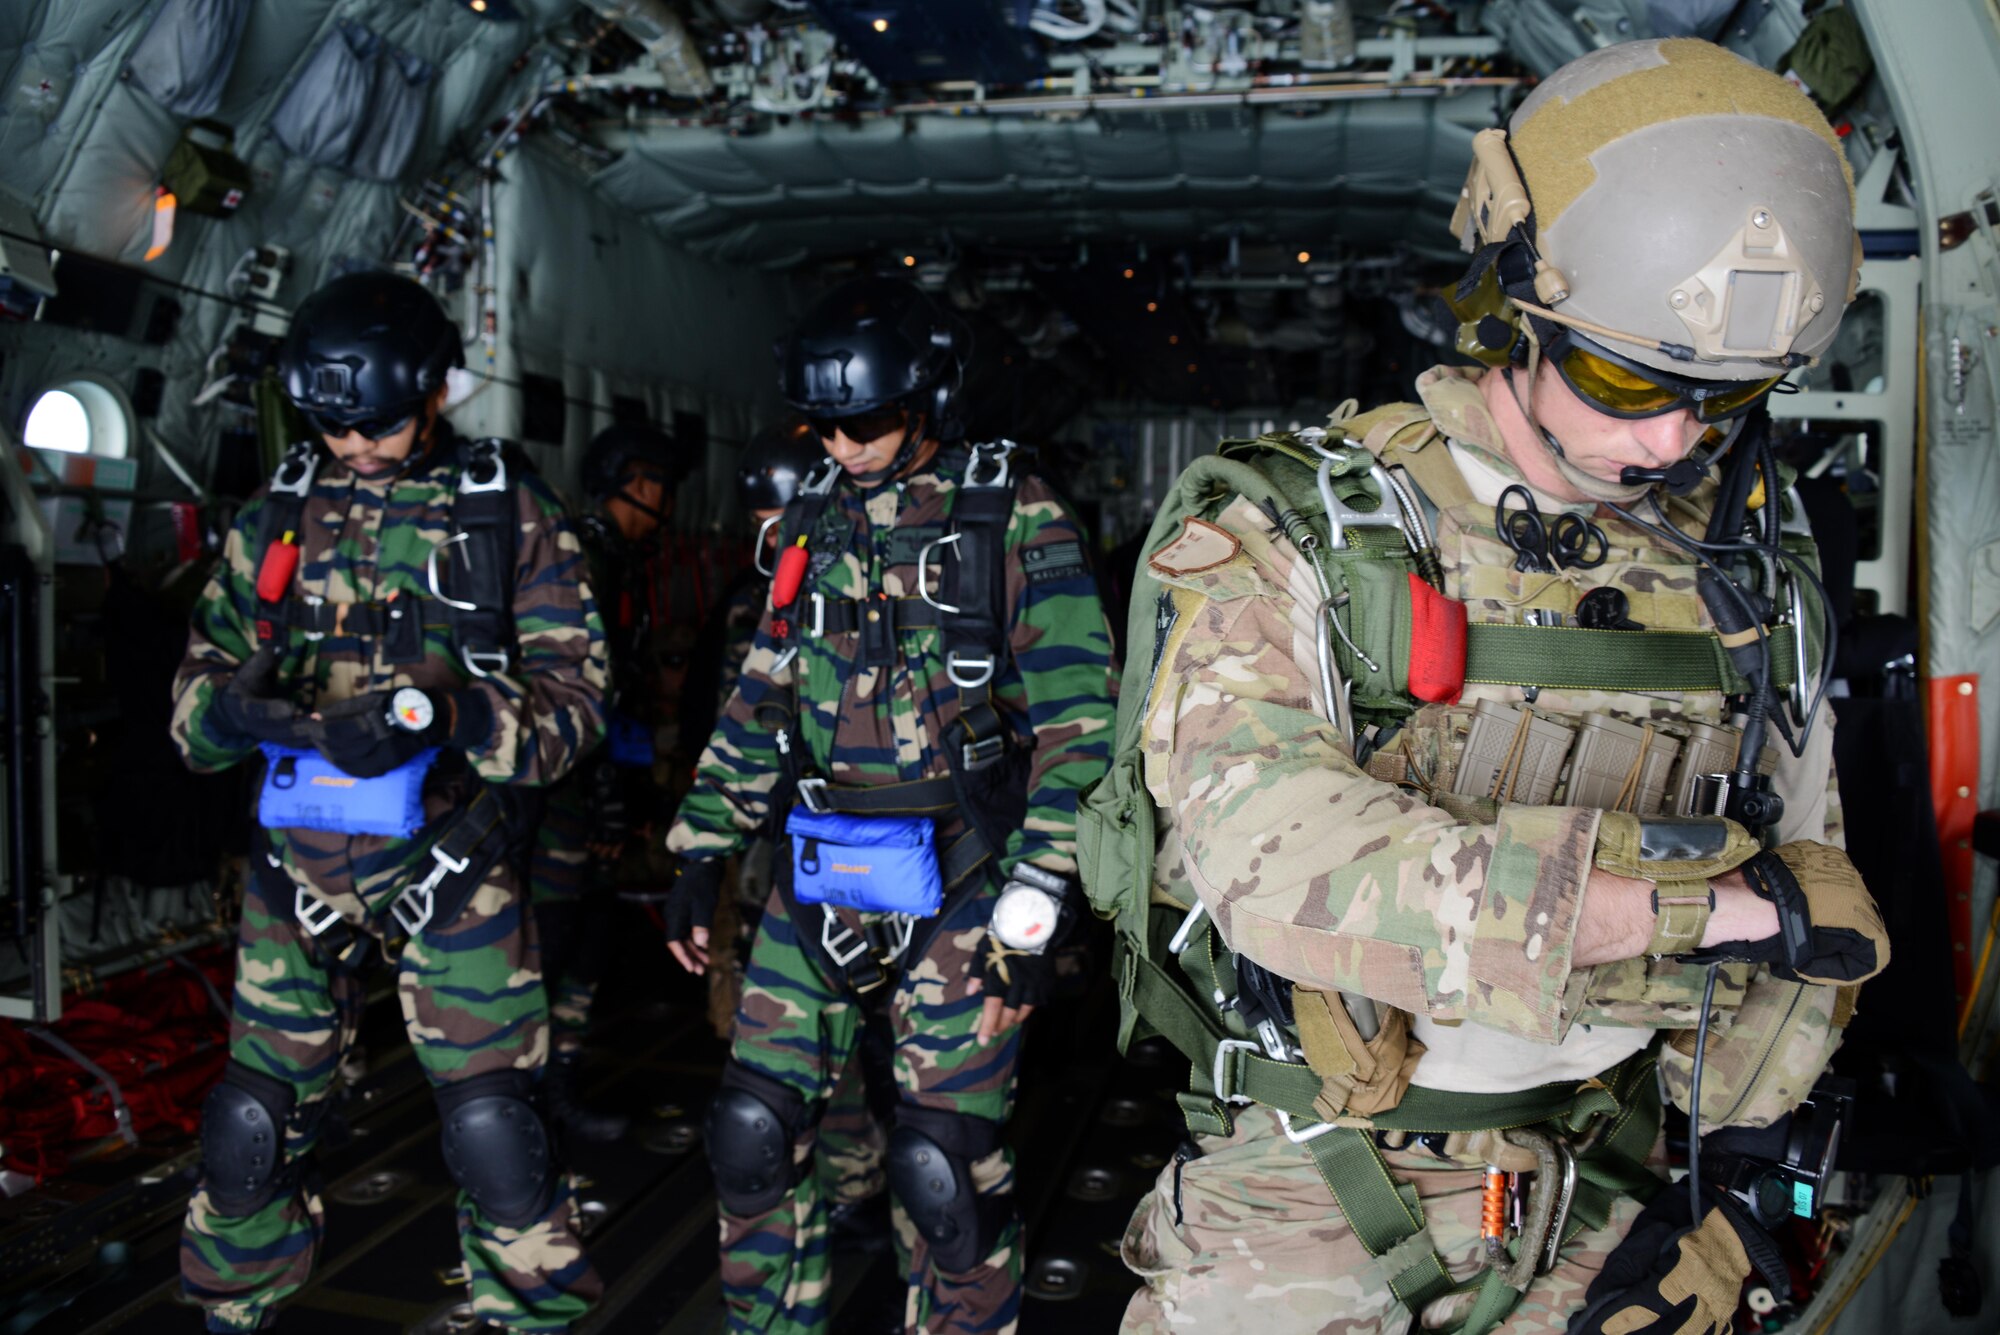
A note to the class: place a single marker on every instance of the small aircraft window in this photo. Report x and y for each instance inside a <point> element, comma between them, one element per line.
<point>80,417</point>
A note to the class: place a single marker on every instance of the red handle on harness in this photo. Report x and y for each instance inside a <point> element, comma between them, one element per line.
<point>274,576</point>
<point>791,573</point>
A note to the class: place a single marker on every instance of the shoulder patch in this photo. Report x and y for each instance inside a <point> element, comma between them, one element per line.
<point>1200,546</point>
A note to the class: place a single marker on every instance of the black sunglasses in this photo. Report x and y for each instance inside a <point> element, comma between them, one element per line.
<point>873,424</point>
<point>370,426</point>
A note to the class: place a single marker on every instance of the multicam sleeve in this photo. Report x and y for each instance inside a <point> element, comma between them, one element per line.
<point>740,768</point>
<point>550,709</point>
<point>1335,879</point>
<point>221,634</point>
<point>1061,645</point>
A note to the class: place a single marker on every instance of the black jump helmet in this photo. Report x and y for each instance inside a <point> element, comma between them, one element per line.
<point>364,353</point>
<point>775,464</point>
<point>616,450</point>
<point>869,344</point>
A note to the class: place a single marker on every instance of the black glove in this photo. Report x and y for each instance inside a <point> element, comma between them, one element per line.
<point>691,904</point>
<point>251,709</point>
<point>1670,1278</point>
<point>361,740</point>
<point>1018,978</point>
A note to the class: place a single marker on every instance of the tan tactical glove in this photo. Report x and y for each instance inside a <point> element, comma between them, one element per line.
<point>1829,930</point>
<point>1667,1278</point>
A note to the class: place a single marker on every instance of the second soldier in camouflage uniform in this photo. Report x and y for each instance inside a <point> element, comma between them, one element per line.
<point>309,637</point>
<point>873,365</point>
<point>629,474</point>
<point>1447,891</point>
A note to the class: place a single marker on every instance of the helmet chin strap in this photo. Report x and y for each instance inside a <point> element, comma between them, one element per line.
<point>1596,488</point>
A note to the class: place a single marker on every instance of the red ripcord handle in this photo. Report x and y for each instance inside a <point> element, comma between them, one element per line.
<point>274,576</point>
<point>791,573</point>
<point>1437,644</point>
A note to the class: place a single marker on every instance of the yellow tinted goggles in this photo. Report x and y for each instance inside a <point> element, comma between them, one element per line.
<point>1616,387</point>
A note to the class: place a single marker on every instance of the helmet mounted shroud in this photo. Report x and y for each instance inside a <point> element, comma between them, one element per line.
<point>365,353</point>
<point>870,344</point>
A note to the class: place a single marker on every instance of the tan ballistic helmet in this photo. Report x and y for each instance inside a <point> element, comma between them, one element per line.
<point>1684,207</point>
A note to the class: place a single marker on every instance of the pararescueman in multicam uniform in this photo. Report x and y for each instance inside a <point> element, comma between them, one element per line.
<point>402,626</point>
<point>1454,745</point>
<point>929,690</point>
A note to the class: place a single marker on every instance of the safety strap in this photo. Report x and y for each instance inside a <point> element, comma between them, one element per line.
<point>1572,658</point>
<point>480,611</point>
<point>847,616</point>
<point>975,599</point>
<point>918,797</point>
<point>120,1111</point>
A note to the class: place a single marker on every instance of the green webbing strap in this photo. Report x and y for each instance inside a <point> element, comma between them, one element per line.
<point>1386,1216</point>
<point>1571,658</point>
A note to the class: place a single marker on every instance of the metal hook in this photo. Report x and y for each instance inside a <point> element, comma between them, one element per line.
<point>431,570</point>
<point>924,567</point>
<point>757,552</point>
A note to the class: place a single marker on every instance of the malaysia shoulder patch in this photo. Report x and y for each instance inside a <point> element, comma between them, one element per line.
<point>1051,561</point>
<point>1200,546</point>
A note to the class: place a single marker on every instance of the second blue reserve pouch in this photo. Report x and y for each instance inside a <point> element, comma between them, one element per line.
<point>878,864</point>
<point>628,742</point>
<point>303,790</point>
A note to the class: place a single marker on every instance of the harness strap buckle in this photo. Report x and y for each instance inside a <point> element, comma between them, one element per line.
<point>1219,1077</point>
<point>968,674</point>
<point>819,615</point>
<point>835,943</point>
<point>414,908</point>
<point>812,795</point>
<point>313,913</point>
<point>998,453</point>
<point>982,752</point>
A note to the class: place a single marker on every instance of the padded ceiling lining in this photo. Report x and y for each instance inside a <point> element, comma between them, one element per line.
<point>1369,173</point>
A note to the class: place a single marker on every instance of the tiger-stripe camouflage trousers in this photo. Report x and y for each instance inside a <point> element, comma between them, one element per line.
<point>800,1028</point>
<point>1247,1238</point>
<point>472,1001</point>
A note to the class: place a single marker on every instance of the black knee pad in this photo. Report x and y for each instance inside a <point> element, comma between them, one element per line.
<point>750,1130</point>
<point>243,1140</point>
<point>931,1153</point>
<point>497,1147</point>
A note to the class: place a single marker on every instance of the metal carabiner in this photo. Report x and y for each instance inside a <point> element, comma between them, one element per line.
<point>924,568</point>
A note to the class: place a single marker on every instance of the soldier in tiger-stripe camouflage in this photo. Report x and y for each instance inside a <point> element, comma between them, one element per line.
<point>300,660</point>
<point>877,709</point>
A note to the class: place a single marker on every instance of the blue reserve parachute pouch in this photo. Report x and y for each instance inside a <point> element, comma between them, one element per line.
<point>304,790</point>
<point>878,864</point>
<point>627,741</point>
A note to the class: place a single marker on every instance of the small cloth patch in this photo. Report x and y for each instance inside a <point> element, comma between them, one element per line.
<point>1201,546</point>
<point>1053,561</point>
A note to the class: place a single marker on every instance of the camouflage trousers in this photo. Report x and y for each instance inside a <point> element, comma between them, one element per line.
<point>799,1027</point>
<point>573,917</point>
<point>852,1137</point>
<point>471,997</point>
<point>1249,1239</point>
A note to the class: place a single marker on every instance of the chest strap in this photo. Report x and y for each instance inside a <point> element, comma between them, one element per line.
<point>1572,658</point>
